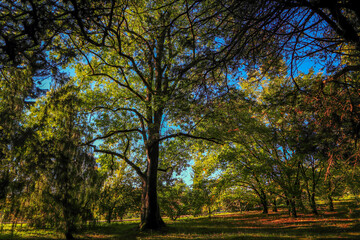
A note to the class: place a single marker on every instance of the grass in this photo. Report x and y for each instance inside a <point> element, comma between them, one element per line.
<point>342,224</point>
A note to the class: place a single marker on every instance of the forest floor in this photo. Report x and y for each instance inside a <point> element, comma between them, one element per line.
<point>344,223</point>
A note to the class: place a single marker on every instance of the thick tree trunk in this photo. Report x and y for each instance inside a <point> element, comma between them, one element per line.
<point>264,202</point>
<point>263,199</point>
<point>288,206</point>
<point>150,216</point>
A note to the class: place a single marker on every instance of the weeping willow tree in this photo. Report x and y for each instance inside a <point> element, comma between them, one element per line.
<point>67,181</point>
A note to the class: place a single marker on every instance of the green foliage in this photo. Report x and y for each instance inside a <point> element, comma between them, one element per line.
<point>238,198</point>
<point>175,200</point>
<point>67,182</point>
<point>149,75</point>
<point>119,195</point>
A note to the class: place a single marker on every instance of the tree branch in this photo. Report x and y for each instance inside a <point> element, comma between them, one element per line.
<point>135,167</point>
<point>111,133</point>
<point>214,140</point>
<point>139,115</point>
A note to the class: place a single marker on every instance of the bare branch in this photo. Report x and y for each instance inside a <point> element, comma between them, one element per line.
<point>214,140</point>
<point>164,170</point>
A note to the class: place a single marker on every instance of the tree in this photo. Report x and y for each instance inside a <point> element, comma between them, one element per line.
<point>15,88</point>
<point>150,67</point>
<point>175,200</point>
<point>244,166</point>
<point>68,180</point>
<point>120,193</point>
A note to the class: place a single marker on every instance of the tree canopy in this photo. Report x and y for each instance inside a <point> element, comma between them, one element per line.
<point>155,89</point>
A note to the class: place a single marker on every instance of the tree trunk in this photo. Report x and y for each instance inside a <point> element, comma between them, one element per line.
<point>288,206</point>
<point>69,224</point>
<point>300,202</point>
<point>331,204</point>
<point>69,235</point>
<point>150,215</point>
<point>264,203</point>
<point>275,205</point>
<point>109,215</point>
<point>293,212</point>
<point>262,196</point>
<point>313,204</point>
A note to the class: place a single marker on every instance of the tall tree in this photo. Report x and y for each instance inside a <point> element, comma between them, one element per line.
<point>66,169</point>
<point>151,67</point>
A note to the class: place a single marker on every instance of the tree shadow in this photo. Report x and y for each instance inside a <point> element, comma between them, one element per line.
<point>257,226</point>
<point>113,231</point>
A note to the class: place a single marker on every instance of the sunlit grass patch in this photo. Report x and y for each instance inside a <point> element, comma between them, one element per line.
<point>22,231</point>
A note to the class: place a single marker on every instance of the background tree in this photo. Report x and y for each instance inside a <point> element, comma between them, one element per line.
<point>245,168</point>
<point>175,199</point>
<point>120,194</point>
<point>68,180</point>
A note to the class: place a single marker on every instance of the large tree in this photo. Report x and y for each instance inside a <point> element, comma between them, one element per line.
<point>151,67</point>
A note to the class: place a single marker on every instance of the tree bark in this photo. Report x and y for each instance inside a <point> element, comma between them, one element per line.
<point>300,203</point>
<point>69,235</point>
<point>313,204</point>
<point>109,215</point>
<point>69,227</point>
<point>264,202</point>
<point>150,216</point>
<point>69,224</point>
<point>292,208</point>
<point>331,204</point>
<point>275,205</point>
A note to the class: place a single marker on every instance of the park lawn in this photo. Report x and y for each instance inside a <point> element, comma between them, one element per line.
<point>247,225</point>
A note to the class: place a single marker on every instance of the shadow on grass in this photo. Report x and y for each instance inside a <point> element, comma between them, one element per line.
<point>112,231</point>
<point>257,226</point>
<point>250,225</point>
<point>8,236</point>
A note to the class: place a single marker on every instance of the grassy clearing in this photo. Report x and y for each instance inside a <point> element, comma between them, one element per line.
<point>342,224</point>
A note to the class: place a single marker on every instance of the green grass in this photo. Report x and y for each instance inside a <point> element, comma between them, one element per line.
<point>342,224</point>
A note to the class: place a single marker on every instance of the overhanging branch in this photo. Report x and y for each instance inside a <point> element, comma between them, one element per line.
<point>214,140</point>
